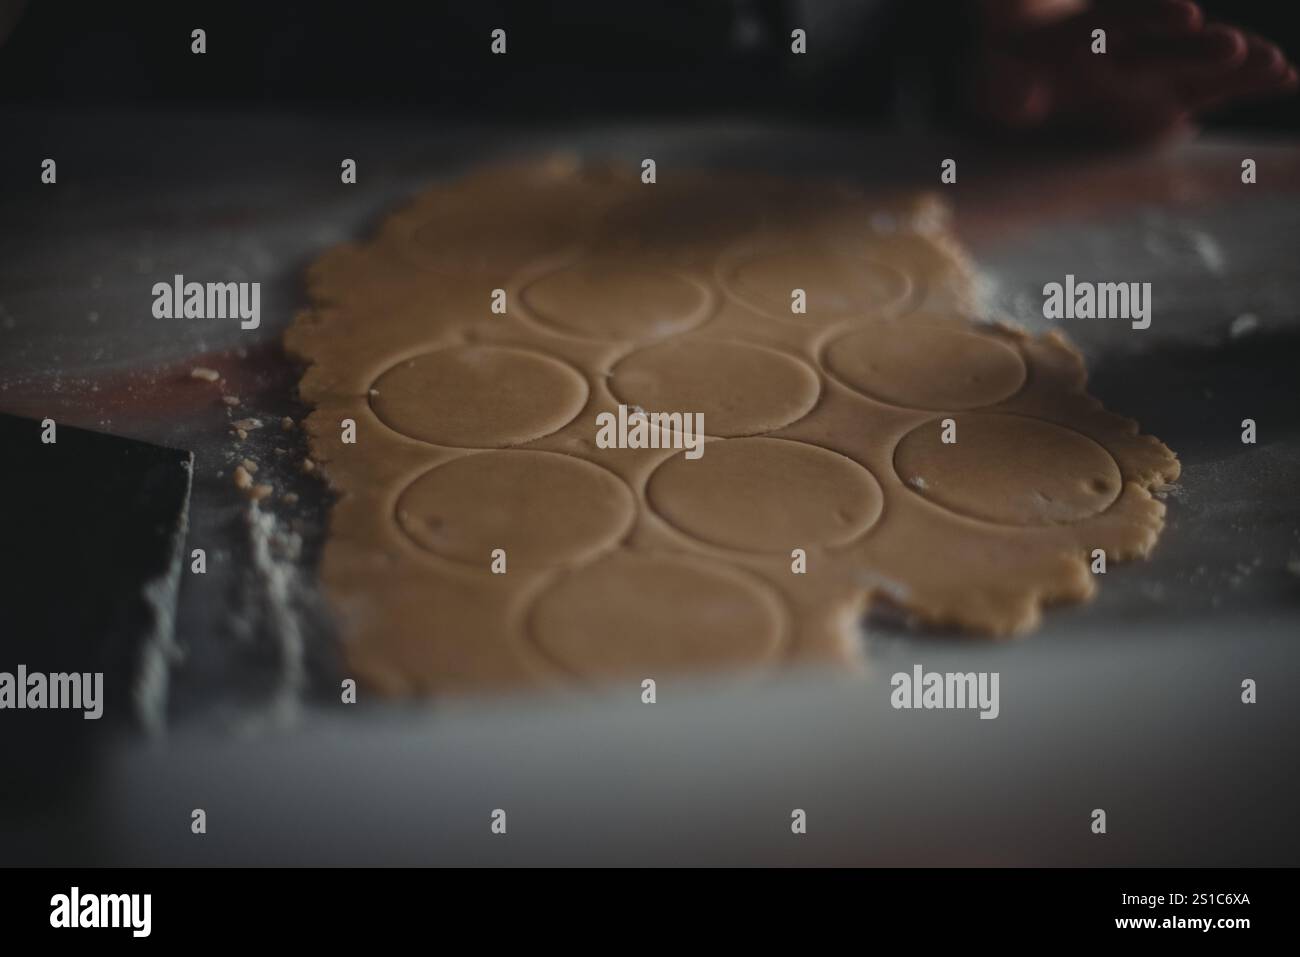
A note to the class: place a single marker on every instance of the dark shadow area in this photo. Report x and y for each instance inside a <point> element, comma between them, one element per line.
<point>1195,396</point>
<point>869,61</point>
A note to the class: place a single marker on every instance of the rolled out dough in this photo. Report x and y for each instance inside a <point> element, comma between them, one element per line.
<point>476,432</point>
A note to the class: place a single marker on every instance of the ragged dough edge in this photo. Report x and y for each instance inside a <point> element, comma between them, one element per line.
<point>992,612</point>
<point>1016,611</point>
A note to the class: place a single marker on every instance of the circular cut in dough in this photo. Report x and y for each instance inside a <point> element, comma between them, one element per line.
<point>837,286</point>
<point>741,389</point>
<point>604,299</point>
<point>926,366</point>
<point>764,494</point>
<point>477,396</point>
<point>543,508</point>
<point>643,615</point>
<point>1010,469</point>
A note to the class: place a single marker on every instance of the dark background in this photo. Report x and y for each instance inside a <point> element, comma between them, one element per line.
<point>873,61</point>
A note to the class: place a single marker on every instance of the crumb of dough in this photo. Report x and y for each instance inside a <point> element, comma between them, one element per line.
<point>250,466</point>
<point>286,423</point>
<point>241,434</point>
<point>289,498</point>
<point>248,425</point>
<point>230,400</point>
<point>259,492</point>
<point>308,465</point>
<point>243,479</point>
<point>204,373</point>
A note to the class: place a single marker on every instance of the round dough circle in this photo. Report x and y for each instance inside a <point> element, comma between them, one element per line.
<point>741,389</point>
<point>595,299</point>
<point>926,366</point>
<point>765,494</point>
<point>477,396</point>
<point>543,508</point>
<point>837,286</point>
<point>1009,469</point>
<point>642,614</point>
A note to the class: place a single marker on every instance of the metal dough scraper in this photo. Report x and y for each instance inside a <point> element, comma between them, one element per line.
<point>92,528</point>
<point>91,531</point>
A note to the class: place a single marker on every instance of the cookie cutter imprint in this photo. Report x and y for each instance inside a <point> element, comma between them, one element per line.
<point>823,432</point>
